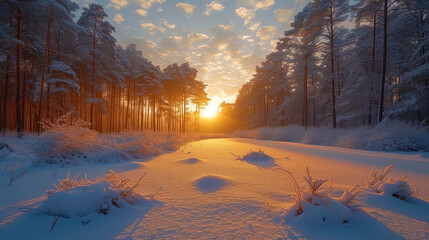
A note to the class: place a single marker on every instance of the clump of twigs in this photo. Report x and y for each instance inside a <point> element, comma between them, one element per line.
<point>68,183</point>
<point>122,185</point>
<point>377,177</point>
<point>314,194</point>
<point>349,196</point>
<point>314,184</point>
<point>379,183</point>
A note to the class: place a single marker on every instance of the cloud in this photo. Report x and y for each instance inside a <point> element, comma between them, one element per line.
<point>245,14</point>
<point>148,48</point>
<point>261,4</point>
<point>213,6</point>
<point>248,38</point>
<point>167,24</point>
<point>254,26</point>
<point>195,37</point>
<point>225,27</point>
<point>118,18</point>
<point>188,9</point>
<point>117,4</point>
<point>152,28</point>
<point>142,12</point>
<point>257,4</point>
<point>266,32</point>
<point>223,38</point>
<point>146,4</point>
<point>282,15</point>
<point>168,45</point>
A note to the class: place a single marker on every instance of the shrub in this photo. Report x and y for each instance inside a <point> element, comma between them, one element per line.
<point>314,202</point>
<point>389,187</point>
<point>74,197</point>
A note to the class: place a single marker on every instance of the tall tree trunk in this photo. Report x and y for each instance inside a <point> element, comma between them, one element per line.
<point>374,28</point>
<point>383,71</point>
<point>331,36</point>
<point>94,40</point>
<point>6,87</point>
<point>305,102</point>
<point>128,103</point>
<point>184,113</point>
<point>5,93</point>
<point>24,87</point>
<point>45,59</point>
<point>313,102</point>
<point>18,76</point>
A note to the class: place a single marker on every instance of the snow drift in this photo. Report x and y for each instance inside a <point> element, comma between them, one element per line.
<point>70,142</point>
<point>387,136</point>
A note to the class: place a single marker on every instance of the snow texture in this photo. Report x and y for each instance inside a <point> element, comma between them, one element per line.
<point>388,136</point>
<point>218,196</point>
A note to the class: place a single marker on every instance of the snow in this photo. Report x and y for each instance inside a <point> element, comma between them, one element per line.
<point>76,144</point>
<point>190,161</point>
<point>206,193</point>
<point>258,158</point>
<point>210,184</point>
<point>387,136</point>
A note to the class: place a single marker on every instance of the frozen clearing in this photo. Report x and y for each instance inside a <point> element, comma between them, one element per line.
<point>207,193</point>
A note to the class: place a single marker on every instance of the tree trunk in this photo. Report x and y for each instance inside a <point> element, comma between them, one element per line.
<point>94,40</point>
<point>45,58</point>
<point>331,36</point>
<point>305,102</point>
<point>383,71</point>
<point>18,77</point>
<point>5,93</point>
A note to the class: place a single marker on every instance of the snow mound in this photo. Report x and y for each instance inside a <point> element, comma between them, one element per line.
<point>81,201</point>
<point>73,197</point>
<point>190,161</point>
<point>210,183</point>
<point>258,158</point>
<point>379,183</point>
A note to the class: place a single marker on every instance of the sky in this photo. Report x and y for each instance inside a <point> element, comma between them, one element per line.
<point>223,39</point>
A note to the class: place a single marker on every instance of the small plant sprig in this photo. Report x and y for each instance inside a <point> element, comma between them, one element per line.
<point>314,184</point>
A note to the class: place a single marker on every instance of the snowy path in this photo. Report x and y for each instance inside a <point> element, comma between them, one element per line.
<point>207,193</point>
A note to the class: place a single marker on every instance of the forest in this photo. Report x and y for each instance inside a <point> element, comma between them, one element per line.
<point>344,64</point>
<point>339,64</point>
<point>53,64</point>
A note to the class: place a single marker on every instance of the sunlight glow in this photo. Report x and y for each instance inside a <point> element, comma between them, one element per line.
<point>210,110</point>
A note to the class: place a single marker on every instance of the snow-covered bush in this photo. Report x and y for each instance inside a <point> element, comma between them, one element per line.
<point>379,183</point>
<point>67,138</point>
<point>252,156</point>
<point>317,205</point>
<point>389,135</point>
<point>73,197</point>
<point>70,141</point>
<point>258,158</point>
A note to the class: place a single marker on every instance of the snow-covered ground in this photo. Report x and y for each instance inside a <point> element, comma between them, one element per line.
<point>218,188</point>
<point>389,135</point>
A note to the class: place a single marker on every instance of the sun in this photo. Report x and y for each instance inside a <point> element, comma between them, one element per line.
<point>210,111</point>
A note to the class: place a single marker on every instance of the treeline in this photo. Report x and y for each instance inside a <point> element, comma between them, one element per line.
<point>344,65</point>
<point>52,65</point>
